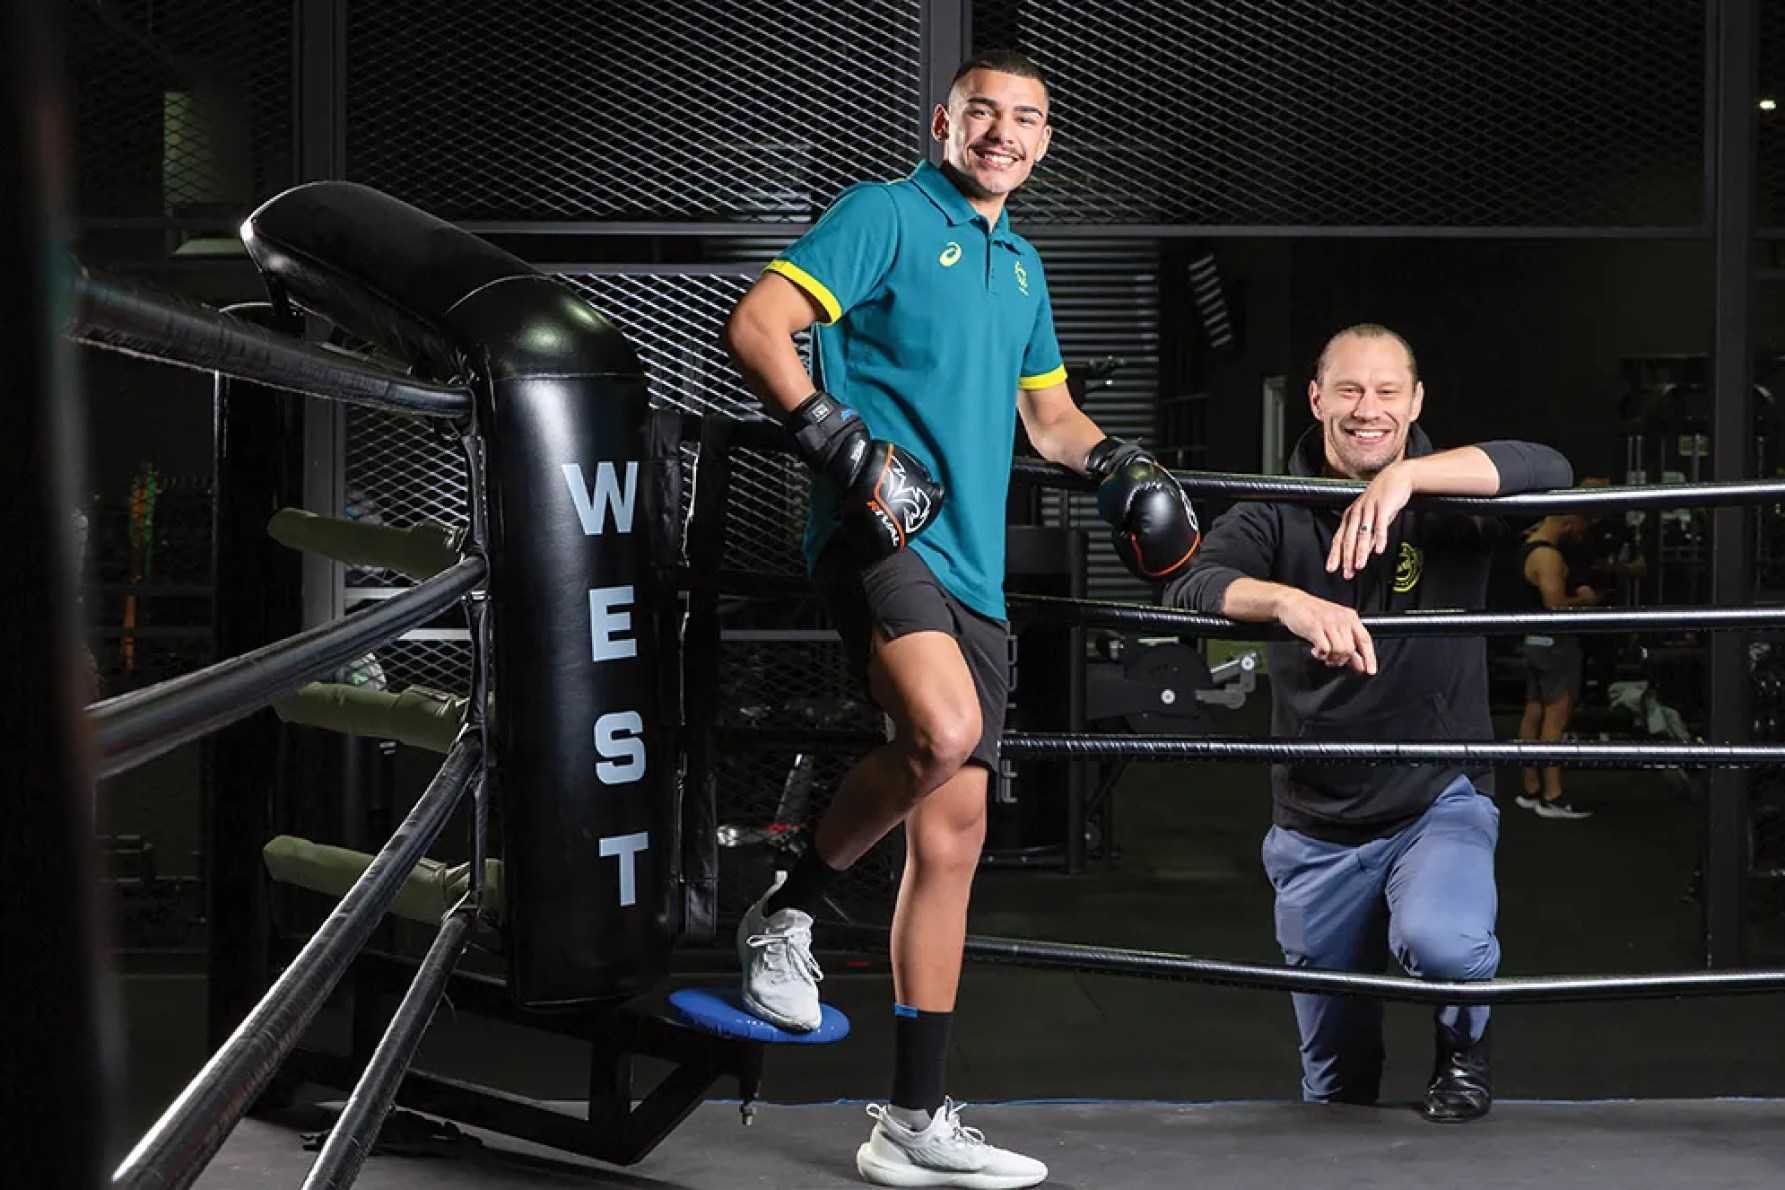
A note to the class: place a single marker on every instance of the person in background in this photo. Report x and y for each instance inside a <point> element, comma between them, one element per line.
<point>1553,662</point>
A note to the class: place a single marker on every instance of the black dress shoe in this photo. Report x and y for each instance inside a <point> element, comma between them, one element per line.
<point>1461,1088</point>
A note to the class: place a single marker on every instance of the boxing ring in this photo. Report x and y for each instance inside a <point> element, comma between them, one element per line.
<point>561,443</point>
<point>589,722</point>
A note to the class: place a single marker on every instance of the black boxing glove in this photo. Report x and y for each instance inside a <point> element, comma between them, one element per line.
<point>889,497</point>
<point>1153,526</point>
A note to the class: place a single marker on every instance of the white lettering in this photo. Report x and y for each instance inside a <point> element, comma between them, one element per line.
<point>592,510</point>
<point>619,742</point>
<point>607,619</point>
<point>626,847</point>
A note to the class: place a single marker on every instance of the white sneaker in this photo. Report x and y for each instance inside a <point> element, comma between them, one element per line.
<point>947,1153</point>
<point>1559,809</point>
<point>1555,809</point>
<point>780,975</point>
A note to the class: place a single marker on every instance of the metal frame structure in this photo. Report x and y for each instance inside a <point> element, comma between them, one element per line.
<point>260,1017</point>
<point>58,1045</point>
<point>1727,226</point>
<point>1734,25</point>
<point>319,149</point>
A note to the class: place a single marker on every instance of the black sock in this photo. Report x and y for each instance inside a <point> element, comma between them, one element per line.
<point>805,885</point>
<point>920,1058</point>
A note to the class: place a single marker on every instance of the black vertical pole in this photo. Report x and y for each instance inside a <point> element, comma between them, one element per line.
<point>56,1028</point>
<point>947,37</point>
<point>701,656</point>
<point>320,99</point>
<point>1732,98</point>
<point>1077,771</point>
<point>258,600</point>
<point>477,614</point>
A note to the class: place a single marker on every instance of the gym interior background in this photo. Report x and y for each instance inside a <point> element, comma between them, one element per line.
<point>1537,195</point>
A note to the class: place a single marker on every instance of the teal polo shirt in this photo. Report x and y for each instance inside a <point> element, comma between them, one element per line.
<point>933,320</point>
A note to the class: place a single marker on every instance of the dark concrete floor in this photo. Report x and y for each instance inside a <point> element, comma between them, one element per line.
<point>1601,895</point>
<point>1600,1146</point>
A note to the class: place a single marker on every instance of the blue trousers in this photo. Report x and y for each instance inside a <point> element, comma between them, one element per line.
<point>1426,894</point>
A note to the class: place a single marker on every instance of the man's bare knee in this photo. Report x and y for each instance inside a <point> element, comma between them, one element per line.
<point>923,683</point>
<point>937,744</point>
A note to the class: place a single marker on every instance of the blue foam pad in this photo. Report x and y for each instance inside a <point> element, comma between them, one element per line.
<point>722,1011</point>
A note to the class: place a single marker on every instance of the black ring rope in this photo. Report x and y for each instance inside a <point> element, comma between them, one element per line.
<point>1069,746</point>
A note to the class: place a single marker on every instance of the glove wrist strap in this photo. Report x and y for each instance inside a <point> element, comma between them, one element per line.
<point>822,429</point>
<point>1109,456</point>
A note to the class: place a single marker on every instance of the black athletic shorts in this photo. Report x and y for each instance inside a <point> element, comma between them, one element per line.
<point>900,595</point>
<point>1552,668</point>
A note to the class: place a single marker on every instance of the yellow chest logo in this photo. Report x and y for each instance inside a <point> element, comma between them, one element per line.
<point>1408,567</point>
<point>950,254</point>
<point>1022,278</point>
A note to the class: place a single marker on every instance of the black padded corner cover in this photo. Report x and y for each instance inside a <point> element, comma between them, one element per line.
<point>585,744</point>
<point>400,278</point>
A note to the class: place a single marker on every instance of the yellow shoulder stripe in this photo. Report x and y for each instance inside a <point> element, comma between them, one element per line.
<point>812,285</point>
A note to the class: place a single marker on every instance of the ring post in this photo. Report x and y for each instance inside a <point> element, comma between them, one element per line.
<point>580,741</point>
<point>581,542</point>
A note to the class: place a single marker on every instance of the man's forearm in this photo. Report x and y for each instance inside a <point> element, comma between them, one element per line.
<point>1465,471</point>
<point>1491,469</point>
<point>1254,601</point>
<point>1068,440</point>
<point>771,364</point>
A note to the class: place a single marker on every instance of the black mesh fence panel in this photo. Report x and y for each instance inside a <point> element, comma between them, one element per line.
<point>753,842</point>
<point>765,519</point>
<point>673,319</point>
<point>439,659</point>
<point>181,109</point>
<point>1497,113</point>
<point>404,471</point>
<point>1500,113</point>
<point>697,109</point>
<point>400,471</point>
<point>771,798</point>
<point>790,680</point>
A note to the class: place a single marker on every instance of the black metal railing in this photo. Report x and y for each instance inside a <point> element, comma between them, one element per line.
<point>1334,493</point>
<point>1018,745</point>
<point>129,318</point>
<point>1138,618</point>
<point>143,724</point>
<point>175,1150</point>
<point>1148,964</point>
<point>371,263</point>
<point>350,1140</point>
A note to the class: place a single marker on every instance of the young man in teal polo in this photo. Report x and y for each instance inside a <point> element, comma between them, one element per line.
<point>932,333</point>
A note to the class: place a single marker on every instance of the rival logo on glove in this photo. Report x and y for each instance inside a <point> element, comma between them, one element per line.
<point>889,496</point>
<point>901,505</point>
